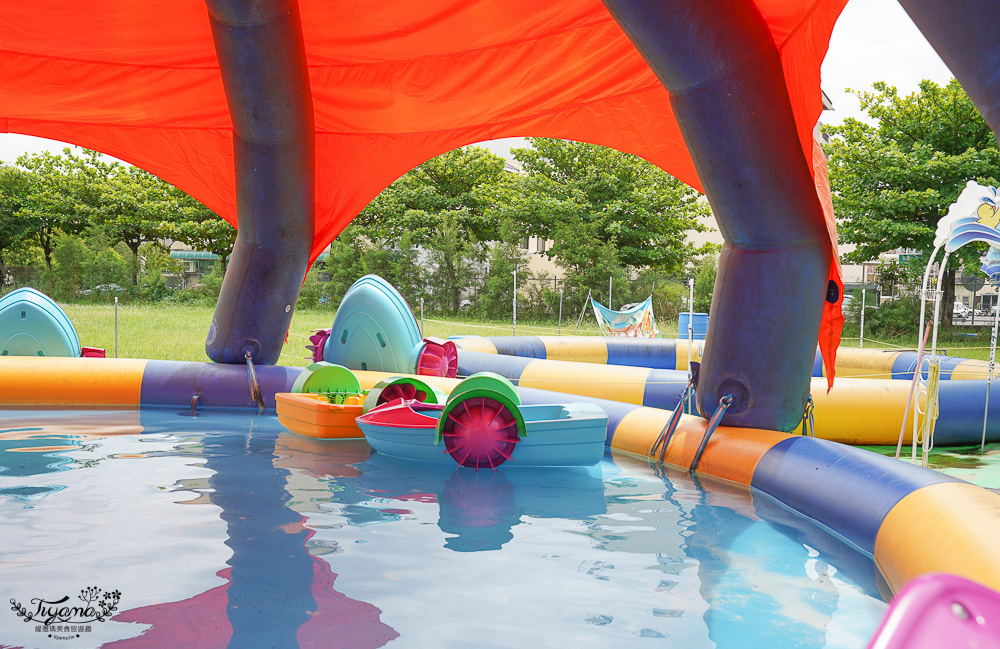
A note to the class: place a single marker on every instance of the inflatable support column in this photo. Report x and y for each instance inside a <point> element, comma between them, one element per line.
<point>950,26</point>
<point>727,91</point>
<point>262,58</point>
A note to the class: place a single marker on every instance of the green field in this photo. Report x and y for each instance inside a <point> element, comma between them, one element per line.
<point>177,332</point>
<point>950,342</point>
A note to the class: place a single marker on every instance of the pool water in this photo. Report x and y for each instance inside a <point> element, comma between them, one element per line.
<point>223,530</point>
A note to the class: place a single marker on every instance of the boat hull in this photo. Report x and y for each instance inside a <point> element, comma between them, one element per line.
<point>312,415</point>
<point>557,435</point>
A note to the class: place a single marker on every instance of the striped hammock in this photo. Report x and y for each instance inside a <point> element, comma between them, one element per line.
<point>634,321</point>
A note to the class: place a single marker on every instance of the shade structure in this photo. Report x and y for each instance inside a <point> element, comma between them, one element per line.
<point>393,83</point>
<point>170,87</point>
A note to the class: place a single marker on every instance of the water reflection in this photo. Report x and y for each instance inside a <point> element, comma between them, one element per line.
<point>278,594</point>
<point>480,508</point>
<point>755,583</point>
<point>298,542</point>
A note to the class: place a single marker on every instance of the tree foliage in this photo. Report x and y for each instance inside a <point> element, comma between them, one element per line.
<point>193,224</point>
<point>14,231</point>
<point>447,186</point>
<point>449,229</point>
<point>59,190</point>
<point>893,179</point>
<point>46,197</point>
<point>617,199</point>
<point>704,283</point>
<point>132,208</point>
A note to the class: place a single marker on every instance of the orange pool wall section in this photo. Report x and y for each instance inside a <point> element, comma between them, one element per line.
<point>86,382</point>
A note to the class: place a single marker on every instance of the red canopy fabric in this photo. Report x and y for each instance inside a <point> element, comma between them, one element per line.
<point>394,83</point>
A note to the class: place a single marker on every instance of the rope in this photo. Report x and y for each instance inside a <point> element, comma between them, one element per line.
<point>465,326</point>
<point>688,398</point>
<point>808,423</point>
<point>713,423</point>
<point>872,340</point>
<point>671,426</point>
<point>931,410</point>
<point>305,358</point>
<point>254,386</point>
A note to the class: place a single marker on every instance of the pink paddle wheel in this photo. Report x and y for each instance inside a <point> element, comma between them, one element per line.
<point>480,432</point>
<point>400,390</point>
<point>438,358</point>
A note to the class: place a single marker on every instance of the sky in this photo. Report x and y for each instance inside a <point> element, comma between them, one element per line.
<point>874,40</point>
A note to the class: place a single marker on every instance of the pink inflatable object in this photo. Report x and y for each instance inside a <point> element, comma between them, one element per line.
<point>938,611</point>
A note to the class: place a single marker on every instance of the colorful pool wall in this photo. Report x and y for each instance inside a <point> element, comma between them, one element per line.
<point>856,411</point>
<point>910,520</point>
<point>672,354</point>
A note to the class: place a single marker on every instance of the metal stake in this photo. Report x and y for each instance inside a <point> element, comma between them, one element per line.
<point>690,324</point>
<point>861,336</point>
<point>116,326</point>
<point>559,330</point>
<point>515,300</point>
<point>989,377</point>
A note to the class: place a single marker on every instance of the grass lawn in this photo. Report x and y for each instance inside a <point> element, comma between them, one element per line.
<point>177,332</point>
<point>173,332</point>
<point>955,342</point>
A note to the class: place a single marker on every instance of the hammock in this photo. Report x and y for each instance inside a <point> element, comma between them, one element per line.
<point>633,321</point>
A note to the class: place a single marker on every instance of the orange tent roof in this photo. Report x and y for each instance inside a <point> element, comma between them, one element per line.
<point>394,83</point>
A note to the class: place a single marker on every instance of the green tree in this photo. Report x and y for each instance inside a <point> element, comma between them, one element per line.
<point>890,275</point>
<point>439,207</point>
<point>893,179</point>
<point>110,262</point>
<point>618,199</point>
<point>72,263</point>
<point>704,283</point>
<point>495,298</point>
<point>14,185</point>
<point>157,264</point>
<point>452,260</point>
<point>191,223</point>
<point>132,208</point>
<point>591,264</point>
<point>449,184</point>
<point>54,201</point>
<point>345,263</point>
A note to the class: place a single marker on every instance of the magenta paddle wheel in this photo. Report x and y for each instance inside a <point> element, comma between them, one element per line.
<point>438,358</point>
<point>317,342</point>
<point>480,432</point>
<point>400,390</point>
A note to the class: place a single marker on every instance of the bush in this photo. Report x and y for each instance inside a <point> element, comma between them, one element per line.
<point>314,293</point>
<point>72,262</point>
<point>211,283</point>
<point>892,319</point>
